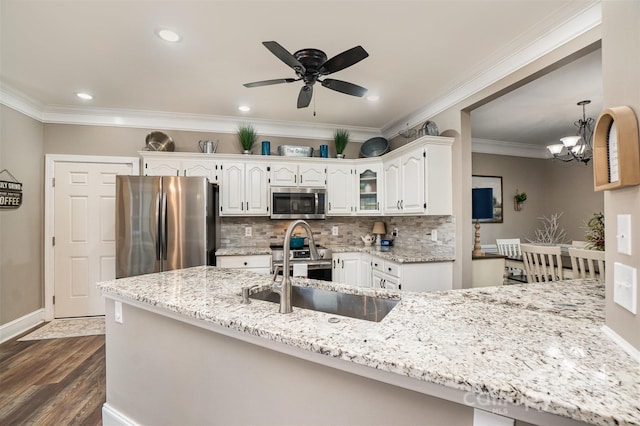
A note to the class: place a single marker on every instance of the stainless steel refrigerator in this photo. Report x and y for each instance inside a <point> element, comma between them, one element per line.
<point>165,223</point>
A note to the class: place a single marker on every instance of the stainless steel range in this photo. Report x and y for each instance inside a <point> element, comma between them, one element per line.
<point>319,269</point>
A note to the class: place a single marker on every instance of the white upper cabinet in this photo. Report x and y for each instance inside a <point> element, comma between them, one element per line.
<point>369,188</point>
<point>418,178</point>
<point>340,184</point>
<point>404,183</point>
<point>163,165</point>
<point>354,188</point>
<point>439,183</point>
<point>414,179</point>
<point>303,175</point>
<point>244,190</point>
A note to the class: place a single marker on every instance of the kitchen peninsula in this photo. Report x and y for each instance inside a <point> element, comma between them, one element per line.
<point>183,349</point>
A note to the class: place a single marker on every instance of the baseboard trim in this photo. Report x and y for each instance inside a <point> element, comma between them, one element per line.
<point>20,325</point>
<point>113,417</point>
<point>618,340</point>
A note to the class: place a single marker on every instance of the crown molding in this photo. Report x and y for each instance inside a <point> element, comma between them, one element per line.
<point>589,18</point>
<point>197,123</point>
<point>514,149</point>
<point>17,100</point>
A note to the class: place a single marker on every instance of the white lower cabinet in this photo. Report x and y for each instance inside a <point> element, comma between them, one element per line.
<point>421,277</point>
<point>352,268</point>
<point>382,280</point>
<point>255,263</point>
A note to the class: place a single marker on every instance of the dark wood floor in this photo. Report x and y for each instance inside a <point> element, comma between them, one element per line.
<point>52,382</point>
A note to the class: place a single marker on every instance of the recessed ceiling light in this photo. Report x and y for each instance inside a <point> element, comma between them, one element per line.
<point>373,98</point>
<point>168,35</point>
<point>244,108</point>
<point>84,96</point>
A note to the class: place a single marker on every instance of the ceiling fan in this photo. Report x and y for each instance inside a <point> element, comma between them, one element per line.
<point>310,65</point>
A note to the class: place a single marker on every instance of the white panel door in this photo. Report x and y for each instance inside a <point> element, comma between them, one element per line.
<point>84,224</point>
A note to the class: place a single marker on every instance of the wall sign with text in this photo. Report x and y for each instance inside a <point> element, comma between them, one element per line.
<point>10,192</point>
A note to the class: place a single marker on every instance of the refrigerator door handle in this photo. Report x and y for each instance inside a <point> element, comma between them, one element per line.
<point>158,226</point>
<point>163,221</point>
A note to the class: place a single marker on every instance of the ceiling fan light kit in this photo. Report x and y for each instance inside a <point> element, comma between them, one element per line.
<point>312,64</point>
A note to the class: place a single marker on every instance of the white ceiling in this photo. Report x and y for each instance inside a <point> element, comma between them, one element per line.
<point>424,56</point>
<point>544,110</point>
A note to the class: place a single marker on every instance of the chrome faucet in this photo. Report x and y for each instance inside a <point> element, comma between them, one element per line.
<point>284,287</point>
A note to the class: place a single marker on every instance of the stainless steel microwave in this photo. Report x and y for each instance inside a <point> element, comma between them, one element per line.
<point>298,203</point>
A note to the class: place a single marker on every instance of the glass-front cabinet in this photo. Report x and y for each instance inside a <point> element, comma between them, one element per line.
<point>368,178</point>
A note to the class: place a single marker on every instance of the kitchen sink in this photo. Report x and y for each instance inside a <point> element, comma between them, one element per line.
<point>368,308</point>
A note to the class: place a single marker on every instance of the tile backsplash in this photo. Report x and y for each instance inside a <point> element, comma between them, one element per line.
<point>414,232</point>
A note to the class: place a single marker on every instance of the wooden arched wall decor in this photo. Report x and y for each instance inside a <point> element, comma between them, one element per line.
<point>616,152</point>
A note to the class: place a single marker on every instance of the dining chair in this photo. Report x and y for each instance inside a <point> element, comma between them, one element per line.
<point>510,247</point>
<point>542,263</point>
<point>584,261</point>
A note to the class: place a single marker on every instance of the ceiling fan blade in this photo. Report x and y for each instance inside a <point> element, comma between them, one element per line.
<point>270,82</point>
<point>344,87</point>
<point>284,55</point>
<point>304,97</point>
<point>343,60</point>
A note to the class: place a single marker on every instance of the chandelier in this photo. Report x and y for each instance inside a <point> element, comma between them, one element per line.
<point>576,147</point>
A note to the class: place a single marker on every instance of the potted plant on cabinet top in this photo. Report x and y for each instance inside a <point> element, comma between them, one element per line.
<point>518,199</point>
<point>341,139</point>
<point>247,136</point>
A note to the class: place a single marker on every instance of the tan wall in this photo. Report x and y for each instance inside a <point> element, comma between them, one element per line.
<point>104,140</point>
<point>21,230</point>
<point>551,187</point>
<point>621,83</point>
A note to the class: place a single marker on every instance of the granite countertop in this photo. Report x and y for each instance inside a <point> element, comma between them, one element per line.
<point>243,251</point>
<point>402,255</point>
<point>395,254</point>
<point>536,345</point>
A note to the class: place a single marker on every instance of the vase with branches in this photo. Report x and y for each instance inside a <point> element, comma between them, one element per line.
<point>247,137</point>
<point>340,139</point>
<point>550,233</point>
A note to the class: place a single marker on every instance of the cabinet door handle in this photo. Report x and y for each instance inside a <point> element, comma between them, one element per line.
<point>295,178</point>
<point>334,264</point>
<point>401,204</point>
<point>389,269</point>
<point>247,206</point>
<point>398,205</point>
<point>329,205</point>
<point>300,178</point>
<point>245,263</point>
<point>378,205</point>
<point>343,264</point>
